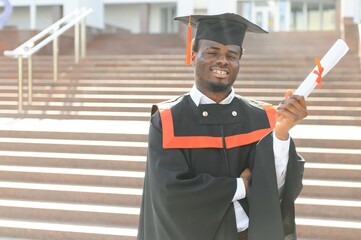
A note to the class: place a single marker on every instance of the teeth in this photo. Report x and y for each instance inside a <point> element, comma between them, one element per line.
<point>220,72</point>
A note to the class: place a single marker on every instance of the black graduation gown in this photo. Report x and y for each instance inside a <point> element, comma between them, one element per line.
<point>195,155</point>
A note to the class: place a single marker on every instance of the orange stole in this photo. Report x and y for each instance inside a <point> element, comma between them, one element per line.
<point>171,141</point>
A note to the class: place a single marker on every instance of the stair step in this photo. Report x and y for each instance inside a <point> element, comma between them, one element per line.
<point>8,238</point>
<point>73,160</point>
<point>186,83</point>
<point>71,213</point>
<point>153,99</point>
<point>113,196</point>
<point>74,142</point>
<point>130,179</point>
<point>83,105</point>
<point>329,208</point>
<point>70,115</point>
<point>74,146</point>
<point>86,127</point>
<point>330,155</point>
<point>104,133</point>
<point>347,172</point>
<point>145,116</point>
<point>51,231</point>
<point>331,136</point>
<point>348,190</point>
<point>328,229</point>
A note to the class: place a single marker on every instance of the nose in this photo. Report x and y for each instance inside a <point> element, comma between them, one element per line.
<point>222,59</point>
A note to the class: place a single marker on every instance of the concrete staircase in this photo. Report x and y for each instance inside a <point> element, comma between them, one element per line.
<point>72,163</point>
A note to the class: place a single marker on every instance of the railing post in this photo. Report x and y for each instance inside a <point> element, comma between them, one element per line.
<point>30,73</point>
<point>83,38</point>
<point>30,80</point>
<point>20,83</point>
<point>55,55</point>
<point>359,43</point>
<point>28,48</point>
<point>76,42</point>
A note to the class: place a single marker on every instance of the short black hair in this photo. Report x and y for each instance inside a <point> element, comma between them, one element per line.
<point>195,46</point>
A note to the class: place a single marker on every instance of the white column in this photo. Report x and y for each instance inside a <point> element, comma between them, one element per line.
<point>351,9</point>
<point>357,13</point>
<point>33,14</point>
<point>275,9</point>
<point>185,7</point>
<point>214,6</point>
<point>287,16</point>
<point>95,19</point>
<point>347,8</point>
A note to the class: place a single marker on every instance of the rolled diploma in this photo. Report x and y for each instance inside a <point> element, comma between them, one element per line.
<point>331,58</point>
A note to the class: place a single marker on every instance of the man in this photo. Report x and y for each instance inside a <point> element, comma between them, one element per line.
<point>217,162</point>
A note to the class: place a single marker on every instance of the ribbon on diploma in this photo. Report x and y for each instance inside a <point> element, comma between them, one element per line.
<point>323,66</point>
<point>319,71</point>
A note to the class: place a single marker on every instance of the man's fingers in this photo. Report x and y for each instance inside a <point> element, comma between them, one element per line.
<point>246,173</point>
<point>288,93</point>
<point>295,105</point>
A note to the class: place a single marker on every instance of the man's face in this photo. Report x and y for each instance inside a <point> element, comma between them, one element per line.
<point>216,66</point>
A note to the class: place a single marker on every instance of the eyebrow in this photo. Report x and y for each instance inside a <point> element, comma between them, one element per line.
<point>235,52</point>
<point>230,50</point>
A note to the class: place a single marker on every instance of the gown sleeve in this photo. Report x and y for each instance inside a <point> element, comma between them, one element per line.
<point>271,215</point>
<point>177,205</point>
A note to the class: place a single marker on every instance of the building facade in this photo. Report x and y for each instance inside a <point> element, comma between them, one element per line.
<point>156,16</point>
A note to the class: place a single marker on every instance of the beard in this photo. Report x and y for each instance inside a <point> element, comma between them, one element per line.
<point>218,86</point>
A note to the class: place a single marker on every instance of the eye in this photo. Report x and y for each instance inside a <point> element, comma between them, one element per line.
<point>211,53</point>
<point>233,57</point>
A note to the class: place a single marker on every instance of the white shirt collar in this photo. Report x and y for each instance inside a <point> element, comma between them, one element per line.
<point>199,98</point>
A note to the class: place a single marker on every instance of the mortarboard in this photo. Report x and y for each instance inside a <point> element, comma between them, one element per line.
<point>226,28</point>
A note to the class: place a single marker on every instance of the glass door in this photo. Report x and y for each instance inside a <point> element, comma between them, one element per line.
<point>313,15</point>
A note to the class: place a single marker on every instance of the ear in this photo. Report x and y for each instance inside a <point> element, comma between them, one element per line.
<point>193,57</point>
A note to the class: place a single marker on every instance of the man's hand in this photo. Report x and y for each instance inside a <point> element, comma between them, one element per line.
<point>246,175</point>
<point>290,112</point>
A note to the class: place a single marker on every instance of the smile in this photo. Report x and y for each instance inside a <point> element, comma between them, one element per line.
<point>221,72</point>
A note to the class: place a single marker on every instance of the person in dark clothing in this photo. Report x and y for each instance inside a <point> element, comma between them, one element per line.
<point>221,166</point>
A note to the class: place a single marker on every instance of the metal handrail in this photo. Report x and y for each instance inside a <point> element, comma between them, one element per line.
<point>34,44</point>
<point>359,43</point>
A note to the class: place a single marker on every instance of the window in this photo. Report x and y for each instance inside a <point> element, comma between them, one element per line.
<point>166,17</point>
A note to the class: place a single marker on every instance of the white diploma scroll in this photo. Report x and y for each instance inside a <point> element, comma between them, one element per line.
<point>332,57</point>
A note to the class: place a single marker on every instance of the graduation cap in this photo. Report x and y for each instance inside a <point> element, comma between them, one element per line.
<point>226,28</point>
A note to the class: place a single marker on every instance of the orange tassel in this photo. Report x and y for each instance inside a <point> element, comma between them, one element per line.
<point>318,72</point>
<point>189,42</point>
